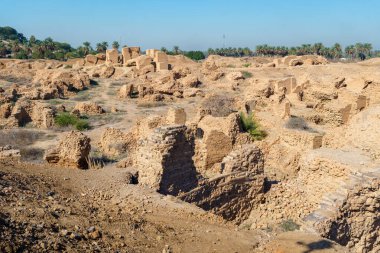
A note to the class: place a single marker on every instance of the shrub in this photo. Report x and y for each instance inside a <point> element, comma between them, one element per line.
<point>247,65</point>
<point>252,127</point>
<point>246,74</point>
<point>82,125</point>
<point>22,54</point>
<point>66,119</point>
<point>195,55</point>
<point>289,225</point>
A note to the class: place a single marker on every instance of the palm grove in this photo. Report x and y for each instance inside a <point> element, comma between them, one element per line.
<point>15,45</point>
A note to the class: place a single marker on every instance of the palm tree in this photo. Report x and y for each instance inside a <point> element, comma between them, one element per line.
<point>15,46</point>
<point>163,49</point>
<point>247,51</point>
<point>337,51</point>
<point>104,45</point>
<point>292,51</point>
<point>115,45</point>
<point>359,48</point>
<point>3,50</point>
<point>317,47</point>
<point>99,47</point>
<point>32,40</point>
<point>350,51</point>
<point>87,47</point>
<point>367,47</point>
<point>49,44</point>
<point>176,50</point>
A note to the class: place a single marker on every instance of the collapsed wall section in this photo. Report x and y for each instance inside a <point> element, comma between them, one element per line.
<point>165,160</point>
<point>238,188</point>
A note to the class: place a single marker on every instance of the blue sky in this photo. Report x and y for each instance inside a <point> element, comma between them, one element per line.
<point>196,24</point>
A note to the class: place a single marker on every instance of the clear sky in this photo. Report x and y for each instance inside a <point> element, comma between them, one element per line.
<point>196,24</point>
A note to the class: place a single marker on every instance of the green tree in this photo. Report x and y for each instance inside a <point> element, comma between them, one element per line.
<point>367,47</point>
<point>176,50</point>
<point>22,54</point>
<point>337,51</point>
<point>350,51</point>
<point>99,47</point>
<point>87,47</point>
<point>104,45</point>
<point>317,47</point>
<point>195,55</point>
<point>115,45</point>
<point>32,41</point>
<point>15,46</point>
<point>3,49</point>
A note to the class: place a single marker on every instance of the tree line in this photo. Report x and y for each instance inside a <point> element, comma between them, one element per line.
<point>357,51</point>
<point>15,45</point>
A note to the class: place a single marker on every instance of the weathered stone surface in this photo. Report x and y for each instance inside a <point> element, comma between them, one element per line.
<point>356,223</point>
<point>91,59</point>
<point>160,56</point>
<point>287,84</point>
<point>176,116</point>
<point>143,61</point>
<point>87,108</point>
<point>127,54</point>
<point>107,71</point>
<point>236,190</point>
<point>125,91</point>
<point>161,66</point>
<point>113,142</point>
<point>8,152</point>
<point>165,159</point>
<point>233,76</point>
<point>72,151</point>
<point>135,52</point>
<point>26,111</point>
<point>58,83</point>
<point>112,56</point>
<point>215,139</point>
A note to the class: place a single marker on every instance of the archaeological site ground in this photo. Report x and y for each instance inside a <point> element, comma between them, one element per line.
<point>132,151</point>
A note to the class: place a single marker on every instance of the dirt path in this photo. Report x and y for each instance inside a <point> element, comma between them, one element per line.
<point>130,218</point>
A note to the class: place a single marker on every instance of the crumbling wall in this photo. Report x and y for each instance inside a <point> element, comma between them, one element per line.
<point>236,190</point>
<point>164,160</point>
<point>25,111</point>
<point>72,151</point>
<point>215,139</point>
<point>357,222</point>
<point>112,56</point>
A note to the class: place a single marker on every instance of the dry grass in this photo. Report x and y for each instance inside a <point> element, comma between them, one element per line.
<point>97,160</point>
<point>150,104</point>
<point>82,96</point>
<point>23,139</point>
<point>20,137</point>
<point>94,163</point>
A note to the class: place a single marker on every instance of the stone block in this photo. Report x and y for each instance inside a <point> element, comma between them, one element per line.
<point>112,56</point>
<point>160,66</point>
